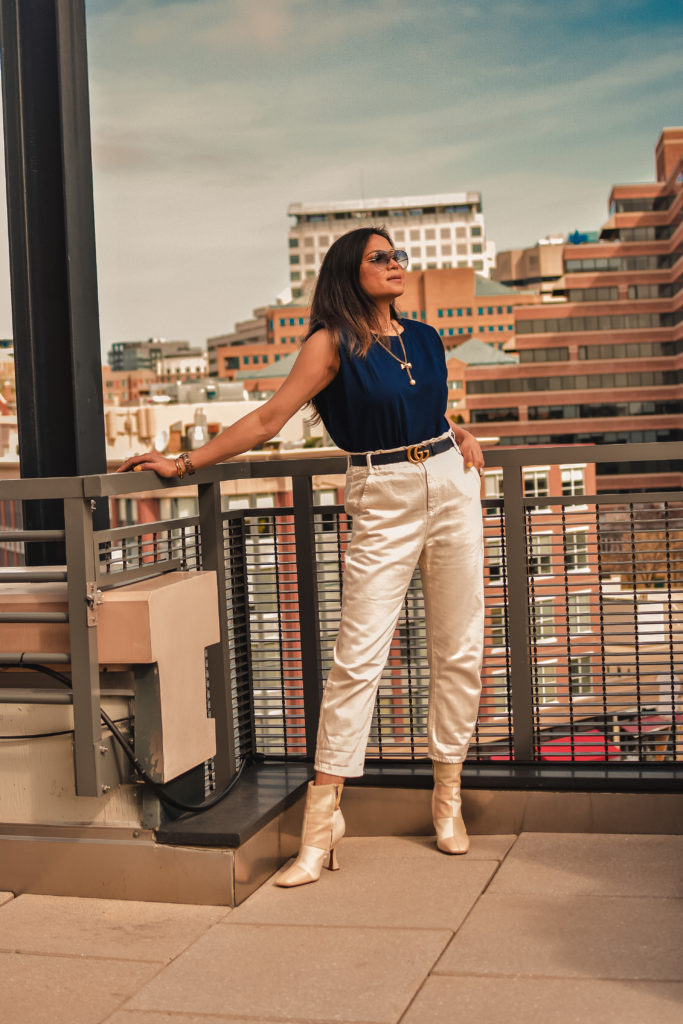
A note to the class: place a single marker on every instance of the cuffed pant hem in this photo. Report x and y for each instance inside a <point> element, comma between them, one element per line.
<point>346,771</point>
<point>448,760</point>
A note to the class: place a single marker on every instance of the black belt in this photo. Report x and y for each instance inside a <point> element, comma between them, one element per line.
<point>413,453</point>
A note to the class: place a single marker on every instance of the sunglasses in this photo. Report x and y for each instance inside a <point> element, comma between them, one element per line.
<point>383,257</point>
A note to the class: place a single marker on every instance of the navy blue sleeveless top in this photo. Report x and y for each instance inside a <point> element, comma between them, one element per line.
<point>371,403</point>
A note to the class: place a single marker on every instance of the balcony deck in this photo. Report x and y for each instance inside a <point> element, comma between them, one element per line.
<point>528,928</point>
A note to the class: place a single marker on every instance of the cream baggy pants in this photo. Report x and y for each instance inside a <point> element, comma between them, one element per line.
<point>404,515</point>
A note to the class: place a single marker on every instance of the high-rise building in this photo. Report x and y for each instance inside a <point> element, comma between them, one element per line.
<point>606,364</point>
<point>436,231</point>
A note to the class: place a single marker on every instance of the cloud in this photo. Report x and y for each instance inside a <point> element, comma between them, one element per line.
<point>209,118</point>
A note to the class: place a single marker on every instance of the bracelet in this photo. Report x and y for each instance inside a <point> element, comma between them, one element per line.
<point>180,468</point>
<point>187,462</point>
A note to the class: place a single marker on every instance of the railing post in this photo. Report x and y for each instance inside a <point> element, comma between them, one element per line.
<point>82,596</point>
<point>220,675</point>
<point>237,576</point>
<point>309,618</point>
<point>518,614</point>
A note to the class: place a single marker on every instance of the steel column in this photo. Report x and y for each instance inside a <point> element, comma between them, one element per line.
<point>309,618</point>
<point>220,672</point>
<point>52,251</point>
<point>518,615</point>
<point>82,595</point>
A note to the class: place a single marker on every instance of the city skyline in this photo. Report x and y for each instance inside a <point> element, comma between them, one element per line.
<point>208,119</point>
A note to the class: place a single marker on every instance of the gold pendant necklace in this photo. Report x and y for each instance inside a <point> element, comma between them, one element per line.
<point>405,365</point>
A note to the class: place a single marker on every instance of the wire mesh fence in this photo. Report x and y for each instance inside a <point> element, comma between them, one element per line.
<point>583,646</point>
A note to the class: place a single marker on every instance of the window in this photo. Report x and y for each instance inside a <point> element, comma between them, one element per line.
<point>536,483</point>
<point>578,613</point>
<point>493,483</point>
<point>294,258</point>
<point>540,554</point>
<point>445,233</point>
<point>476,232</point>
<point>476,247</point>
<point>573,480</point>
<point>546,682</point>
<point>494,551</point>
<point>430,234</point>
<point>576,551</point>
<point>579,674</point>
<point>499,626</point>
<point>542,619</point>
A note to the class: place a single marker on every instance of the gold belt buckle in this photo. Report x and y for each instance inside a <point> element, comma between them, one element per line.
<point>417,454</point>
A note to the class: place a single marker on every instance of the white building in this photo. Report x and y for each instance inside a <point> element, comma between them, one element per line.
<point>436,231</point>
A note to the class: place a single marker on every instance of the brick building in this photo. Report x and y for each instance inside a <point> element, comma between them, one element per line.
<point>605,365</point>
<point>269,336</point>
<point>461,303</point>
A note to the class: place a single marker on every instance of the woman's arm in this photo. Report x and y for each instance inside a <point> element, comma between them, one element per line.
<point>315,367</point>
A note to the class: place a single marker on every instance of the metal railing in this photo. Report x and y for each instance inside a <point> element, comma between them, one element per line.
<point>584,604</point>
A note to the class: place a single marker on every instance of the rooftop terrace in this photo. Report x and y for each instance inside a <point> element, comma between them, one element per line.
<point>529,928</point>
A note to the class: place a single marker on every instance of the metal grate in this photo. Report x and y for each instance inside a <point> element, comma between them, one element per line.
<point>604,672</point>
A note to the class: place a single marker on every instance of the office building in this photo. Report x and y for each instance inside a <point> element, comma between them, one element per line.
<point>537,268</point>
<point>606,364</point>
<point>437,231</point>
<point>462,303</point>
<point>150,354</point>
<point>269,336</point>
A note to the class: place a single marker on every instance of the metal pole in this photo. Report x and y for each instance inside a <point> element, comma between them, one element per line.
<point>309,618</point>
<point>220,675</point>
<point>52,251</point>
<point>518,612</point>
<point>83,598</point>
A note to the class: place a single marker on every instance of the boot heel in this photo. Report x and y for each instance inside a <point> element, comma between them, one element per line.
<point>333,864</point>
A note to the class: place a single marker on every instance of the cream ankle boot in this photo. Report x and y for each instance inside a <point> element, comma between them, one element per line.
<point>451,836</point>
<point>323,827</point>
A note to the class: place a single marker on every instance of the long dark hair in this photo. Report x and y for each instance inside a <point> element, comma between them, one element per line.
<point>339,303</point>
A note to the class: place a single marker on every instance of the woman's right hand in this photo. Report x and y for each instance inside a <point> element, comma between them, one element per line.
<point>150,460</point>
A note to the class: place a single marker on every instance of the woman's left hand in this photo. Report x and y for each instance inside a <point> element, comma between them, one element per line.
<point>471,451</point>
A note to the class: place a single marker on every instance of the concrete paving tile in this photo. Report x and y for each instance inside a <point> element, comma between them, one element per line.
<point>578,936</point>
<point>119,929</point>
<point>152,1017</point>
<point>295,974</point>
<point>540,1000</point>
<point>66,990</point>
<point>394,892</point>
<point>5,897</point>
<point>369,848</point>
<point>604,865</point>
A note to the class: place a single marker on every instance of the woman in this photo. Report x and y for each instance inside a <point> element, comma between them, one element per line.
<point>379,384</point>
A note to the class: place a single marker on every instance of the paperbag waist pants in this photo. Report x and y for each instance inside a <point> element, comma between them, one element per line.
<point>404,515</point>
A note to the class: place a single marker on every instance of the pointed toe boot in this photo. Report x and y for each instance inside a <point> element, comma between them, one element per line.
<point>323,827</point>
<point>451,835</point>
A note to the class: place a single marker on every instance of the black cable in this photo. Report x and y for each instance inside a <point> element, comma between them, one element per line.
<point>128,750</point>
<point>40,735</point>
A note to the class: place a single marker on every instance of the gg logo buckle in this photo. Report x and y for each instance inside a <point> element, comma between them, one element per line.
<point>417,454</point>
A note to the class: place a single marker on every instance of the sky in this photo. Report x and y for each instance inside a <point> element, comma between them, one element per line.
<point>209,117</point>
